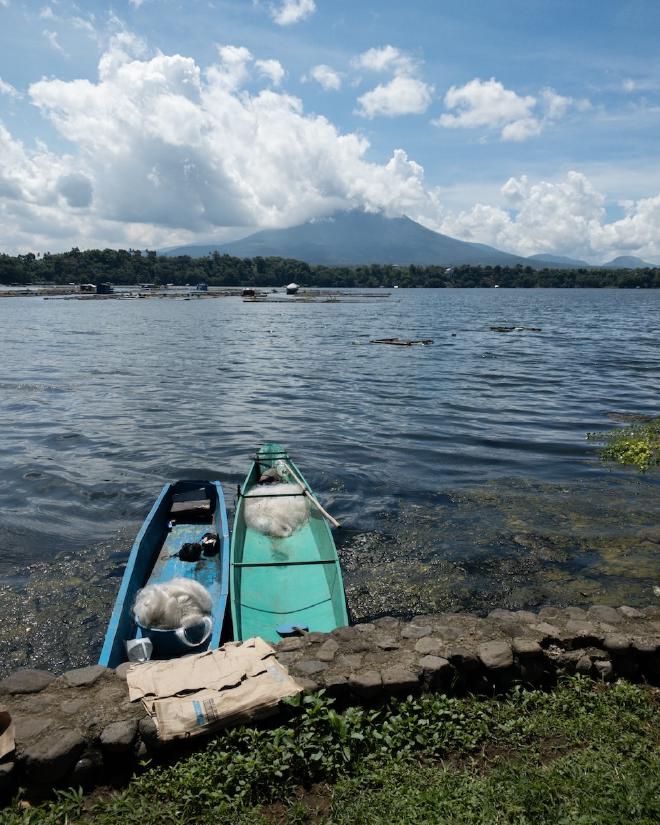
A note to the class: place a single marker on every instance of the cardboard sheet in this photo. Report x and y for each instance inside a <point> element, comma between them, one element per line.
<point>206,691</point>
<point>7,743</point>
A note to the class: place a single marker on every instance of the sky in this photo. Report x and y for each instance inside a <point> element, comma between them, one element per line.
<point>530,125</point>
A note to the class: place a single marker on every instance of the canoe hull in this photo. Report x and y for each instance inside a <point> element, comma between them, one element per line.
<point>154,559</point>
<point>279,582</point>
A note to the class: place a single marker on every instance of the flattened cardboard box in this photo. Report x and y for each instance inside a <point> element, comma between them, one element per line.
<point>199,693</point>
<point>7,743</point>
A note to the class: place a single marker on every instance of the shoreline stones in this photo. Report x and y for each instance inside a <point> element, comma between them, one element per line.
<point>79,728</point>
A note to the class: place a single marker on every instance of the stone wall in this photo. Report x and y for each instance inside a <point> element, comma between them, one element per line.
<point>80,729</point>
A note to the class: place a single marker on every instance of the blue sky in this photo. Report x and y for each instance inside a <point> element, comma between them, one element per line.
<point>532,126</point>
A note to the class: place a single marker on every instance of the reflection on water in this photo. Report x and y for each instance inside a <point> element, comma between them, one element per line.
<point>460,470</point>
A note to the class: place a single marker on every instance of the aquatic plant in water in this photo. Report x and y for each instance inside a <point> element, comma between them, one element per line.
<point>638,444</point>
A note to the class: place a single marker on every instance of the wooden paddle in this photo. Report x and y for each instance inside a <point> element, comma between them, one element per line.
<point>332,520</point>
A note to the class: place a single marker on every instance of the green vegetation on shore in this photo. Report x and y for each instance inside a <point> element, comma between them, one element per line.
<point>638,444</point>
<point>133,266</point>
<point>582,753</point>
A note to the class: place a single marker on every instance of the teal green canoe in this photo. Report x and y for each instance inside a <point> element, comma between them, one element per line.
<point>281,585</point>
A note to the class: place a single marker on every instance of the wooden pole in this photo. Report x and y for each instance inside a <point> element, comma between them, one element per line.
<point>312,498</point>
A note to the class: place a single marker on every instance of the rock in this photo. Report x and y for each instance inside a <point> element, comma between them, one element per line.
<point>327,651</point>
<point>526,616</point>
<point>464,660</point>
<point>652,611</point>
<point>526,648</point>
<point>575,613</point>
<point>616,644</point>
<point>344,634</point>
<point>72,706</point>
<point>50,759</point>
<point>502,615</point>
<point>118,737</point>
<point>84,676</point>
<point>549,632</point>
<point>148,730</point>
<point>435,669</point>
<point>412,631</point>
<point>605,614</point>
<point>604,669</point>
<point>292,643</point>
<point>399,679</point>
<point>26,680</point>
<point>349,662</point>
<point>359,644</point>
<point>308,685</point>
<point>308,667</point>
<point>387,643</point>
<point>122,670</point>
<point>87,768</point>
<point>30,727</point>
<point>646,645</point>
<point>430,646</point>
<point>335,684</point>
<point>583,665</point>
<point>449,634</point>
<point>549,614</point>
<point>367,627</point>
<point>631,612</point>
<point>583,633</point>
<point>496,655</point>
<point>366,683</point>
<point>388,623</point>
<point>288,658</point>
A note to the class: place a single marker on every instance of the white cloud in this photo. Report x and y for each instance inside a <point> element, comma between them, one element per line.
<point>327,78</point>
<point>401,96</point>
<point>404,94</point>
<point>487,104</point>
<point>561,217</point>
<point>46,13</point>
<point>292,11</point>
<point>272,70</point>
<point>385,59</point>
<point>136,3</point>
<point>520,130</point>
<point>8,89</point>
<point>4,3</point>
<point>52,38</point>
<point>86,26</point>
<point>556,105</point>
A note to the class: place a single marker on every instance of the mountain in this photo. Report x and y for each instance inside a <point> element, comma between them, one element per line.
<point>627,262</point>
<point>559,260</point>
<point>352,238</point>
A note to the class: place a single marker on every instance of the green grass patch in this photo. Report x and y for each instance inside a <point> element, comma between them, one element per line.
<point>638,444</point>
<point>583,753</point>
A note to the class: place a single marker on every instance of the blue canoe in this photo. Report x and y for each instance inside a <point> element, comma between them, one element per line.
<point>196,508</point>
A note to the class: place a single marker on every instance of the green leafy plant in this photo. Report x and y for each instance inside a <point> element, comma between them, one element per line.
<point>638,444</point>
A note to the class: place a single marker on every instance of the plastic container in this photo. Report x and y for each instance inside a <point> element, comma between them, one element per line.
<point>189,639</point>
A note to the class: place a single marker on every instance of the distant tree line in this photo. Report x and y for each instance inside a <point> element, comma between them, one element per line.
<point>134,266</point>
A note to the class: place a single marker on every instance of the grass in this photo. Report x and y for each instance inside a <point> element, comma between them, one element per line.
<point>583,753</point>
<point>638,444</point>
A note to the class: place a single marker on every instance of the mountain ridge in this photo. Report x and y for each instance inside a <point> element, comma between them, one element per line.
<point>357,238</point>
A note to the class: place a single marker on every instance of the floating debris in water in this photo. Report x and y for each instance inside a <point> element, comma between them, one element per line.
<point>403,342</point>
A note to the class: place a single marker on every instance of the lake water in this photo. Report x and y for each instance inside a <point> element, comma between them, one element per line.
<point>460,471</point>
